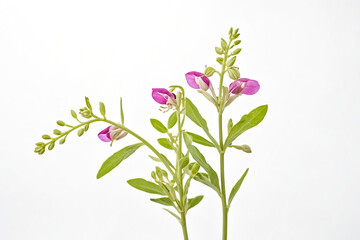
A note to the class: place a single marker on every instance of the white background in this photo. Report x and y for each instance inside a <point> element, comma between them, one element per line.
<point>304,176</point>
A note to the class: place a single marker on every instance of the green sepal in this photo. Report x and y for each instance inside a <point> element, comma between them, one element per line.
<point>145,186</point>
<point>115,159</point>
<point>158,125</point>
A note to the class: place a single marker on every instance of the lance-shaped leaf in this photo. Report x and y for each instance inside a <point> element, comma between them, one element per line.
<point>172,120</point>
<point>246,122</point>
<point>236,187</point>
<point>164,201</point>
<point>165,143</point>
<point>158,125</point>
<point>200,140</point>
<point>117,158</point>
<point>204,179</point>
<point>192,202</point>
<point>200,159</point>
<point>173,214</point>
<point>145,186</point>
<point>193,113</point>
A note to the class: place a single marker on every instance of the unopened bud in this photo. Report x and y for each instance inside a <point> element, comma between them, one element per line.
<point>85,112</point>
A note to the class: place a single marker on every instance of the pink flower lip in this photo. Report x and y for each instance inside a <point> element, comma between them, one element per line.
<point>111,133</point>
<point>162,95</point>
<point>244,86</point>
<point>197,80</point>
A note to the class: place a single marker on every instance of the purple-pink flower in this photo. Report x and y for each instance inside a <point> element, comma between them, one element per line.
<point>163,96</point>
<point>198,80</point>
<point>244,86</point>
<point>111,134</point>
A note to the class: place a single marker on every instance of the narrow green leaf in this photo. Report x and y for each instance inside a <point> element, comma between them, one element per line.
<point>117,158</point>
<point>81,132</point>
<point>236,187</point>
<point>192,202</point>
<point>200,140</point>
<point>121,112</point>
<point>204,179</point>
<point>200,159</point>
<point>102,109</point>
<point>165,143</point>
<point>193,113</point>
<point>145,186</point>
<point>155,158</point>
<point>158,125</point>
<point>246,122</point>
<point>164,201</point>
<point>173,214</point>
<point>172,120</point>
<point>167,161</point>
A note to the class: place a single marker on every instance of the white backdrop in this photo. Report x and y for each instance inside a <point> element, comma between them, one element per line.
<point>304,176</point>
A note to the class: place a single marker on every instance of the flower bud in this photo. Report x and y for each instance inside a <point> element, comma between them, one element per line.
<point>85,112</point>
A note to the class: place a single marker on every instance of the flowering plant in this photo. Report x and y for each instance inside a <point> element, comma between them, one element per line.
<point>172,179</point>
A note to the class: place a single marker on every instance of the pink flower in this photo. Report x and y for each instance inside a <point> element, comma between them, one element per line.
<point>111,134</point>
<point>198,80</point>
<point>244,86</point>
<point>163,96</point>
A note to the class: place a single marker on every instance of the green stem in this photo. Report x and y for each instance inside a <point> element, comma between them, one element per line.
<point>179,174</point>
<point>225,209</point>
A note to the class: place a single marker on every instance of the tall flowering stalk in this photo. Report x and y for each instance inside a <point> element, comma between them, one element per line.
<point>172,180</point>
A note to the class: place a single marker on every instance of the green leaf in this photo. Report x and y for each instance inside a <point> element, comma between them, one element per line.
<point>167,161</point>
<point>200,140</point>
<point>246,122</point>
<point>200,159</point>
<point>204,179</point>
<point>192,202</point>
<point>193,113</point>
<point>158,125</point>
<point>145,186</point>
<point>121,112</point>
<point>102,109</point>
<point>165,143</point>
<point>117,158</point>
<point>164,201</point>
<point>236,187</point>
<point>172,120</point>
<point>176,216</point>
<point>245,148</point>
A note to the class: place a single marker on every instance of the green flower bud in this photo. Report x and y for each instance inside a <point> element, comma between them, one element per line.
<point>236,51</point>
<point>85,112</point>
<point>195,169</point>
<point>46,137</point>
<point>102,109</point>
<point>231,31</point>
<point>209,71</point>
<point>231,61</point>
<point>57,132</point>
<point>87,101</point>
<point>223,44</point>
<point>60,123</point>
<point>234,73</point>
<point>220,60</point>
<point>219,50</point>
<point>153,175</point>
<point>42,151</point>
<point>40,144</point>
<point>51,146</point>
<point>237,42</point>
<point>62,141</point>
<point>81,132</point>
<point>86,127</point>
<point>73,114</point>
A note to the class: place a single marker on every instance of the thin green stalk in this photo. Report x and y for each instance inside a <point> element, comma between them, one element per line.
<point>179,174</point>
<point>222,150</point>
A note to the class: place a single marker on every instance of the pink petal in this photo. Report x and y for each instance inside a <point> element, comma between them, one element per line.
<point>251,87</point>
<point>161,95</point>
<point>104,135</point>
<point>190,78</point>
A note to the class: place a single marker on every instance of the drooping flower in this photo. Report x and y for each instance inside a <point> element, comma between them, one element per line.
<point>111,134</point>
<point>244,86</point>
<point>164,97</point>
<point>198,80</point>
